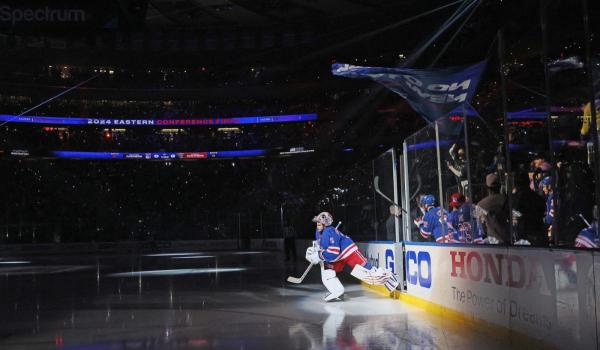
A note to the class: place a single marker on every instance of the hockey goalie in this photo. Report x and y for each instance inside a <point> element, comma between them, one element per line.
<point>333,250</point>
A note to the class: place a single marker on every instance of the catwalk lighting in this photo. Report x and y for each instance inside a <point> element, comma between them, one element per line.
<point>177,272</point>
<point>15,262</point>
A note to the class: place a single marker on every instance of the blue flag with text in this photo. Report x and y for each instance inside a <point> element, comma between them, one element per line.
<point>433,93</point>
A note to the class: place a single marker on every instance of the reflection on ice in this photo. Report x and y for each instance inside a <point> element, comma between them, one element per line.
<point>342,331</point>
<point>354,302</point>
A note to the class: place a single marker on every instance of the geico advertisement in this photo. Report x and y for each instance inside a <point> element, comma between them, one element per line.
<point>380,255</point>
<point>534,291</point>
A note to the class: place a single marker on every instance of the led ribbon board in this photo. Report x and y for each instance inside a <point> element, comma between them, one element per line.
<point>157,122</point>
<point>159,155</point>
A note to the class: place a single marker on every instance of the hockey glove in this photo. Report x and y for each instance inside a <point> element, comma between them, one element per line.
<point>312,255</point>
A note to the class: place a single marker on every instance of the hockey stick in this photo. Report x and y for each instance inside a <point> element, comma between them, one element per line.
<point>376,185</point>
<point>584,220</point>
<point>298,280</point>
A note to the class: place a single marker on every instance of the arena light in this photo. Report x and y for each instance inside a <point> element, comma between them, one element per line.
<point>296,150</point>
<point>177,272</point>
<point>228,130</point>
<point>19,152</point>
<point>247,253</point>
<point>194,257</point>
<point>15,262</point>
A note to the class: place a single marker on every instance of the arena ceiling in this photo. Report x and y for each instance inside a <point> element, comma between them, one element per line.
<point>259,12</point>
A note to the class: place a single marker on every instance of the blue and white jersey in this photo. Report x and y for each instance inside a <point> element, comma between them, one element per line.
<point>588,237</point>
<point>460,220</point>
<point>435,222</point>
<point>549,209</point>
<point>334,245</point>
<point>478,232</point>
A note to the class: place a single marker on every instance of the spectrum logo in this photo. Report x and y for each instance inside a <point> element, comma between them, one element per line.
<point>45,14</point>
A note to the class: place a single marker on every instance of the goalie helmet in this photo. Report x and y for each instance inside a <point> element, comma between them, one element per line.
<point>323,218</point>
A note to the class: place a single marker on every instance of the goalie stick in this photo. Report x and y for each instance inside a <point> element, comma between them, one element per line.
<point>298,280</point>
<point>376,185</point>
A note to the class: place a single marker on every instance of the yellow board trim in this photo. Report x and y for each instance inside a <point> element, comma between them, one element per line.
<point>518,339</point>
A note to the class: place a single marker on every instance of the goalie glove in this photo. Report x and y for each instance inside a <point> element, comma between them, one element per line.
<point>312,255</point>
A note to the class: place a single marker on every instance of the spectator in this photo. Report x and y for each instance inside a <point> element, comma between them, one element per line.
<point>492,211</point>
<point>458,167</point>
<point>529,208</point>
<point>538,169</point>
<point>390,223</point>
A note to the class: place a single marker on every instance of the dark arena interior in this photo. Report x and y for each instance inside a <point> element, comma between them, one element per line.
<point>299,174</point>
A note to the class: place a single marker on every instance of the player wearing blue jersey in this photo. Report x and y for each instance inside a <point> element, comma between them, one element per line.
<point>546,184</point>
<point>588,237</point>
<point>435,222</point>
<point>460,220</point>
<point>334,250</point>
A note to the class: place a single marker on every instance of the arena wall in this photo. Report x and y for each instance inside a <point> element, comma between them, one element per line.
<point>118,247</point>
<point>544,296</point>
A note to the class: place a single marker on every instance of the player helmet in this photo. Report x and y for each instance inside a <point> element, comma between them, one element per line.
<point>456,200</point>
<point>547,181</point>
<point>428,200</point>
<point>323,218</point>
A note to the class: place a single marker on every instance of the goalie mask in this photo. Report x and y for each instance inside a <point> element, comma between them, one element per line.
<point>323,218</point>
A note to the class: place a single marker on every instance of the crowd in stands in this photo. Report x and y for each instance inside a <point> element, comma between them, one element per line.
<point>41,140</point>
<point>150,78</point>
<point>82,201</point>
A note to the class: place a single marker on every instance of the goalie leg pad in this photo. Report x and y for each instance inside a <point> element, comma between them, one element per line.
<point>391,283</point>
<point>332,283</point>
<point>374,276</point>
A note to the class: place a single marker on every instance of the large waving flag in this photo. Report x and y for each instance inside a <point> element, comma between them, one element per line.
<point>433,93</point>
